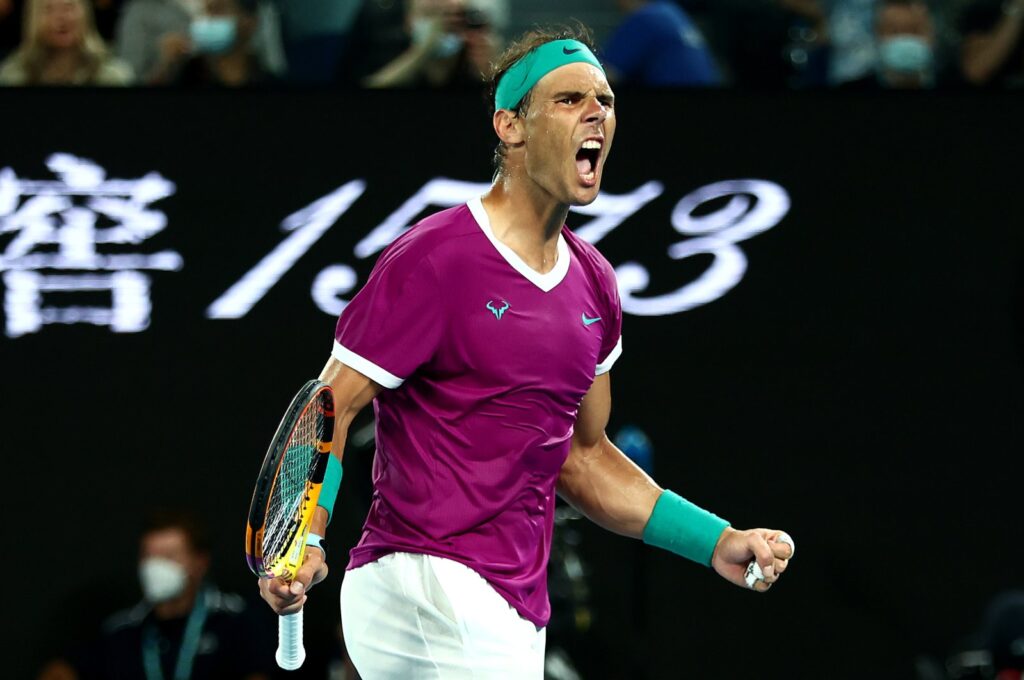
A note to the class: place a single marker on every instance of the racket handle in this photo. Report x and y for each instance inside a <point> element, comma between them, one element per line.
<point>290,652</point>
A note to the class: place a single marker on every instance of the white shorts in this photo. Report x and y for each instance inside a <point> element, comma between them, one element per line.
<point>409,616</point>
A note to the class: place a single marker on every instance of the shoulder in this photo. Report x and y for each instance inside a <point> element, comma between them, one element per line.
<point>218,602</point>
<point>125,619</point>
<point>433,237</point>
<point>114,72</point>
<point>12,71</point>
<point>589,257</point>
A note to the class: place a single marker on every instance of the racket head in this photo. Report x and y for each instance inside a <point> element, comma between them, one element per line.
<point>288,487</point>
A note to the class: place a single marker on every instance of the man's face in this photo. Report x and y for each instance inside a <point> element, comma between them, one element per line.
<point>173,544</point>
<point>569,126</point>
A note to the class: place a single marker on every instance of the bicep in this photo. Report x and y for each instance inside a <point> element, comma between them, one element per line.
<point>352,390</point>
<point>595,408</point>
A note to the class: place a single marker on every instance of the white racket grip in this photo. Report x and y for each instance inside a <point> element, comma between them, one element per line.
<point>290,652</point>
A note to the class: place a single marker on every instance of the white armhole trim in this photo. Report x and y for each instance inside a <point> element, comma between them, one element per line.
<point>613,356</point>
<point>366,367</point>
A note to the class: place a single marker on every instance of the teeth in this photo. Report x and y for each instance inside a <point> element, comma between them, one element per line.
<point>589,177</point>
<point>592,144</point>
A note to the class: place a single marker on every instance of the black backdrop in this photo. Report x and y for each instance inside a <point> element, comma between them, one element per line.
<point>860,386</point>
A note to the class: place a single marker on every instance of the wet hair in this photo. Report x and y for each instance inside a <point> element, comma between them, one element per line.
<point>516,51</point>
<point>187,521</point>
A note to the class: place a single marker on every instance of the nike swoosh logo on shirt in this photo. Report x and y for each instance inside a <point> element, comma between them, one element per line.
<point>587,322</point>
<point>566,50</point>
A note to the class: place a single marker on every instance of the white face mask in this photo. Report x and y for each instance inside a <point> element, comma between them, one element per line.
<point>162,579</point>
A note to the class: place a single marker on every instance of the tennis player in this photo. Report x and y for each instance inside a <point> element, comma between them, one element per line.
<point>484,338</point>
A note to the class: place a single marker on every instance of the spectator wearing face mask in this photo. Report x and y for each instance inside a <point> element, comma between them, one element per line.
<point>221,52</point>
<point>992,43</point>
<point>452,43</point>
<point>158,37</point>
<point>184,627</point>
<point>905,47</point>
<point>60,46</point>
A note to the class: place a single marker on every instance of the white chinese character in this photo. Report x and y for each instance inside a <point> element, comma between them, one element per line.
<point>56,227</point>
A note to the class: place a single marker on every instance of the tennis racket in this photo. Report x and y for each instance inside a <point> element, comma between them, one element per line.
<point>285,499</point>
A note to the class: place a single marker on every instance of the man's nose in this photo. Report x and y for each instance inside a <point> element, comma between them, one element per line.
<point>595,111</point>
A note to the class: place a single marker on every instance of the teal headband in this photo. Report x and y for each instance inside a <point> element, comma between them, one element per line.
<point>536,64</point>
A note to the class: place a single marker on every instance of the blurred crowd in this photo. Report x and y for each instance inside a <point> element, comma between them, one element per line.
<point>784,44</point>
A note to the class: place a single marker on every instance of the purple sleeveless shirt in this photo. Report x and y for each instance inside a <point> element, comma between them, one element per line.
<point>485,361</point>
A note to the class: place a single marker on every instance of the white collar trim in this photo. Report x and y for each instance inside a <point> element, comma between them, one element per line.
<point>543,281</point>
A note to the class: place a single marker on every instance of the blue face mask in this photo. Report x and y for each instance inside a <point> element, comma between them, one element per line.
<point>213,35</point>
<point>447,45</point>
<point>905,55</point>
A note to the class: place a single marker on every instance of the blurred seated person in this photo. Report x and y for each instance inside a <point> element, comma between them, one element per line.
<point>150,35</point>
<point>219,51</point>
<point>158,37</point>
<point>452,43</point>
<point>658,45</point>
<point>184,627</point>
<point>992,47</point>
<point>905,43</point>
<point>60,46</point>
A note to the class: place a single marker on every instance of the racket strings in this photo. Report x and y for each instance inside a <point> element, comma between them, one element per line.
<point>297,466</point>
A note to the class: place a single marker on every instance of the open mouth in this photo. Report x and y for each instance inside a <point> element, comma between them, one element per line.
<point>586,160</point>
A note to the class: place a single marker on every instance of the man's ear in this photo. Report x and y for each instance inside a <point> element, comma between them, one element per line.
<point>508,127</point>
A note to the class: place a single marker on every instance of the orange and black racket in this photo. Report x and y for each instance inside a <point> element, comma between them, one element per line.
<point>285,499</point>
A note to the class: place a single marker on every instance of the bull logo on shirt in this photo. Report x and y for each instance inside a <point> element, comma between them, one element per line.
<point>498,312</point>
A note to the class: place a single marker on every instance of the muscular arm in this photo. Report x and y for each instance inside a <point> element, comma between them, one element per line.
<point>597,478</point>
<point>352,392</point>
<point>601,482</point>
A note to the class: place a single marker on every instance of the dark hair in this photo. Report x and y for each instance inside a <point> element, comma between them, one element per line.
<point>189,522</point>
<point>517,50</point>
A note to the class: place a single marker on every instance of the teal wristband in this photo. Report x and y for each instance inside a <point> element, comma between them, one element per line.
<point>678,525</point>
<point>329,491</point>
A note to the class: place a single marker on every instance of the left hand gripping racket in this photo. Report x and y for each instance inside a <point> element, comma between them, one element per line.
<point>285,499</point>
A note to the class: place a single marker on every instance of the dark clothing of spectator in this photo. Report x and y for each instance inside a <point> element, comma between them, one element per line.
<point>658,45</point>
<point>197,74</point>
<point>106,13</point>
<point>225,642</point>
<point>377,36</point>
<point>10,27</point>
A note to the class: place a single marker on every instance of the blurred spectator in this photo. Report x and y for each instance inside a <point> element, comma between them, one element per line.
<point>156,36</point>
<point>905,44</point>
<point>452,43</point>
<point>752,39</point>
<point>221,47</point>
<point>183,628</point>
<point>658,45</point>
<point>851,37</point>
<point>316,33</point>
<point>377,36</point>
<point>60,46</point>
<point>992,48</point>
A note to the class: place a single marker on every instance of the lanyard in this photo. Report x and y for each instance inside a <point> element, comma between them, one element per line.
<point>189,644</point>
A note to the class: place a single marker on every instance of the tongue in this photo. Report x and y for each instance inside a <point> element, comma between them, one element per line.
<point>584,166</point>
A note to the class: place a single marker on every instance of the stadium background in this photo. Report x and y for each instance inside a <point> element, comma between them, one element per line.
<point>859,387</point>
